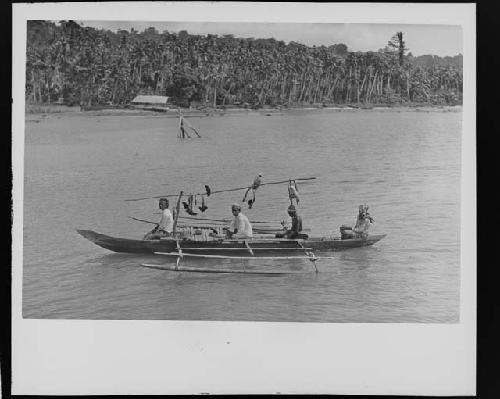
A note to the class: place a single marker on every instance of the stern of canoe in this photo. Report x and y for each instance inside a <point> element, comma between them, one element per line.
<point>125,245</point>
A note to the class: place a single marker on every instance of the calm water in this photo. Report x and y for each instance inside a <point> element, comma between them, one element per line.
<point>404,164</point>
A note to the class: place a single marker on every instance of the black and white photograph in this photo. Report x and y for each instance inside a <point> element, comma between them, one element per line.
<point>261,172</point>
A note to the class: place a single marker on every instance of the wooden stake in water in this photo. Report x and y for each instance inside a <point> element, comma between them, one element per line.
<point>183,133</point>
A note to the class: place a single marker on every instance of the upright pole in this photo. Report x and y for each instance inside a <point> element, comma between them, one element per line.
<point>177,211</point>
<point>181,131</point>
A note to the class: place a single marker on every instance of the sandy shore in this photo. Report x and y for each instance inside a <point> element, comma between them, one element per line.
<point>35,112</point>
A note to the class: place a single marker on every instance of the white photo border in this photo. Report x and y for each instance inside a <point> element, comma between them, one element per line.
<point>90,357</point>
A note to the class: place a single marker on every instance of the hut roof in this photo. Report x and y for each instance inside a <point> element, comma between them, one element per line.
<point>151,99</point>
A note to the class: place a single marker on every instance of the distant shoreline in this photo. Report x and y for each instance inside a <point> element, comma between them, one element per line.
<point>38,109</point>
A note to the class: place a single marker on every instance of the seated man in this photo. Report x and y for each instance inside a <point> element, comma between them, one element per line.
<point>164,228</point>
<point>294,231</point>
<point>240,226</point>
<point>363,222</point>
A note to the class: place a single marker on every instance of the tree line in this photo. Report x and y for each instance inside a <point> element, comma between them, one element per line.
<point>82,65</point>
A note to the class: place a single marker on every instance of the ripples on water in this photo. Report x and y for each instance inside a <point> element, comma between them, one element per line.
<point>405,165</point>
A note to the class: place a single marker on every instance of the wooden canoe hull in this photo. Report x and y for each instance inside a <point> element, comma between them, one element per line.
<point>260,247</point>
<point>337,244</point>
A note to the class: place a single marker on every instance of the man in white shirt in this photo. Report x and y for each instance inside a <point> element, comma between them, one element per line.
<point>165,227</point>
<point>240,226</point>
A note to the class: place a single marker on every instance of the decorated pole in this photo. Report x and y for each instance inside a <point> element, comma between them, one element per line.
<point>227,190</point>
<point>177,211</point>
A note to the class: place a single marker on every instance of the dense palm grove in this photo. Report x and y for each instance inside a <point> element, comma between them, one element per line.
<point>80,65</point>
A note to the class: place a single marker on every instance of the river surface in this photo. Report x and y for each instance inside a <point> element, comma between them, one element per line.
<point>405,165</point>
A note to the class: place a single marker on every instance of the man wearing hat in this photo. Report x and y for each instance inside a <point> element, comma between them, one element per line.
<point>165,227</point>
<point>240,226</point>
<point>363,222</point>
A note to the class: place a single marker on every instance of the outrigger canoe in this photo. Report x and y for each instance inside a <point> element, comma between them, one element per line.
<point>257,247</point>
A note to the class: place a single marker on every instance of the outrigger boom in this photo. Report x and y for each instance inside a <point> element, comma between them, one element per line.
<point>180,254</point>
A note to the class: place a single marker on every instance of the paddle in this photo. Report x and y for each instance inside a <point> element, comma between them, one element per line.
<point>216,220</point>
<point>225,220</point>
<point>141,220</point>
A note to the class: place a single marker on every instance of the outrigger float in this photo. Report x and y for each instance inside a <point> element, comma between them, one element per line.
<point>209,243</point>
